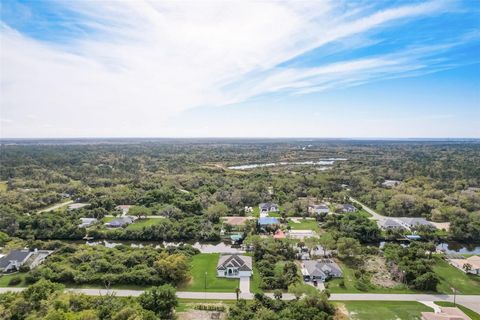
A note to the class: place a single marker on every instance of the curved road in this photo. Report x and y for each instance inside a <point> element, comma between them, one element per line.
<point>375,215</point>
<point>469,301</point>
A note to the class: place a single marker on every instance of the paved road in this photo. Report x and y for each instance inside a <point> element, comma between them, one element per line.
<point>470,301</point>
<point>56,206</point>
<point>375,215</point>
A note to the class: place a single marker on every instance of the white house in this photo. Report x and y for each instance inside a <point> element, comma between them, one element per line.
<point>267,207</point>
<point>234,266</point>
<point>318,208</point>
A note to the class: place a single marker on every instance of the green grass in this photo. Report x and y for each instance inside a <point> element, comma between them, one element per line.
<point>385,310</point>
<point>452,277</point>
<point>304,225</point>
<point>3,186</point>
<point>350,280</point>
<point>188,304</point>
<point>207,262</point>
<point>472,314</point>
<point>139,224</point>
<point>108,219</point>
<point>5,279</point>
<point>256,212</point>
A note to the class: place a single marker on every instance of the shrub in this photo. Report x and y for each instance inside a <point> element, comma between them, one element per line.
<point>14,281</point>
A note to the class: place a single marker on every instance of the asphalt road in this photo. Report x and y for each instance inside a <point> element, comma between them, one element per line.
<point>469,301</point>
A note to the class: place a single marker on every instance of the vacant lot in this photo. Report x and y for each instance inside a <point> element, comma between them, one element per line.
<point>385,310</point>
<point>207,262</point>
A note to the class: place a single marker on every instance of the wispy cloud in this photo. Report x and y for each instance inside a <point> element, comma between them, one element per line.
<point>144,61</point>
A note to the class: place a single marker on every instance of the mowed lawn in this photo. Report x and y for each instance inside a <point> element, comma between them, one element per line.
<point>304,224</point>
<point>385,310</point>
<point>140,223</point>
<point>207,262</point>
<point>452,277</point>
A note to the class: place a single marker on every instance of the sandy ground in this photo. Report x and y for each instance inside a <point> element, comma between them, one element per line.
<point>380,275</point>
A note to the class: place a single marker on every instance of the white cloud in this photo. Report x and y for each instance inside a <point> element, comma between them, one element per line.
<point>149,60</point>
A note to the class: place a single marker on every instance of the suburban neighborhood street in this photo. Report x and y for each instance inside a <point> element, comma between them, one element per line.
<point>375,215</point>
<point>469,301</point>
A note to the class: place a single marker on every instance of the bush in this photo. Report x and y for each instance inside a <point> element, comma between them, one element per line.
<point>14,281</point>
<point>361,285</point>
<point>342,283</point>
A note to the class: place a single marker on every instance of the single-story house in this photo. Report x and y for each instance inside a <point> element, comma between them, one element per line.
<point>87,222</point>
<point>320,270</point>
<point>390,183</point>
<point>75,206</point>
<point>445,313</point>
<point>318,208</point>
<point>17,258</point>
<point>268,221</point>
<point>268,207</point>
<point>14,260</point>
<point>119,222</point>
<point>390,224</point>
<point>409,223</point>
<point>473,261</point>
<point>234,266</point>
<point>348,208</point>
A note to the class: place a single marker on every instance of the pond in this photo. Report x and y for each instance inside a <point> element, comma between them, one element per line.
<point>321,162</point>
<point>457,247</point>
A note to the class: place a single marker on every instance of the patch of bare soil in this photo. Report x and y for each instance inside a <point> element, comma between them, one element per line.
<point>341,312</point>
<point>200,315</point>
<point>381,276</point>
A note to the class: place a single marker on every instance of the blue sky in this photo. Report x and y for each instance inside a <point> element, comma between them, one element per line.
<point>240,69</point>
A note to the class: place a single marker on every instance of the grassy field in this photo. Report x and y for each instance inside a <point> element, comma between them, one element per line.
<point>207,262</point>
<point>472,314</point>
<point>452,277</point>
<point>304,225</point>
<point>385,310</point>
<point>5,279</point>
<point>139,224</point>
<point>3,186</point>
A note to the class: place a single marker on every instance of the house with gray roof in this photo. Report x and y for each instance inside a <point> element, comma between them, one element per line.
<point>414,222</point>
<point>348,208</point>
<point>14,260</point>
<point>267,207</point>
<point>320,270</point>
<point>318,208</point>
<point>234,266</point>
<point>120,222</point>
<point>390,183</point>
<point>87,222</point>
<point>390,224</point>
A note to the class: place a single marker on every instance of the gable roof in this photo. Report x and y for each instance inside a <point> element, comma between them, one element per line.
<point>243,263</point>
<point>267,205</point>
<point>14,255</point>
<point>322,268</point>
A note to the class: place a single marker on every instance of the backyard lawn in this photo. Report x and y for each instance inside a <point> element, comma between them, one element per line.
<point>3,186</point>
<point>139,224</point>
<point>472,314</point>
<point>207,262</point>
<point>304,224</point>
<point>5,279</point>
<point>452,277</point>
<point>385,310</point>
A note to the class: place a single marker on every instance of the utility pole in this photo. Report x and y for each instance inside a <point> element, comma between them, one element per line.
<point>205,285</point>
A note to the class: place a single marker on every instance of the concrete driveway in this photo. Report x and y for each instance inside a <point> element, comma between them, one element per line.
<point>245,284</point>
